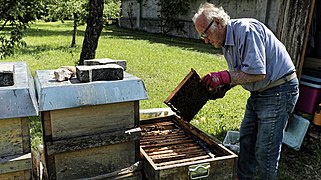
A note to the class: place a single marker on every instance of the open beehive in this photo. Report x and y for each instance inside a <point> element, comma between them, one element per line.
<point>174,149</point>
<point>171,148</point>
<point>168,144</point>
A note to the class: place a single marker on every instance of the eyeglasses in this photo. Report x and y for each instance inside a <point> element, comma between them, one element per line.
<point>203,35</point>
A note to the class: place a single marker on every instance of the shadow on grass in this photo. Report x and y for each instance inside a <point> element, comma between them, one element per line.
<point>184,43</point>
<point>36,32</point>
<point>112,31</point>
<point>31,49</point>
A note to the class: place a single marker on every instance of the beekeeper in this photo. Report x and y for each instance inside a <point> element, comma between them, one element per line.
<point>259,62</point>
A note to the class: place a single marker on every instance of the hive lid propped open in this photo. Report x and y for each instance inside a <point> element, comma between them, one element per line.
<point>69,94</point>
<point>18,100</point>
<point>188,97</point>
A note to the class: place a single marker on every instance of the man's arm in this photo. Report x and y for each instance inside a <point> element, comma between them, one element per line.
<point>240,77</point>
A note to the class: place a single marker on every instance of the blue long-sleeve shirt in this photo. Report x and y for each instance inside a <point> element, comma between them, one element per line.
<point>252,48</point>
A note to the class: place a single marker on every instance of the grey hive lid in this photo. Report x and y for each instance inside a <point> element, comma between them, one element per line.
<point>188,97</point>
<point>19,100</point>
<point>54,95</point>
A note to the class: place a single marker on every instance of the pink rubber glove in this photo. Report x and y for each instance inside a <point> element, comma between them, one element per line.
<point>215,79</point>
<point>219,92</point>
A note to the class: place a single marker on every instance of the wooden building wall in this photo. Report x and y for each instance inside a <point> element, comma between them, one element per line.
<point>145,15</point>
<point>293,27</point>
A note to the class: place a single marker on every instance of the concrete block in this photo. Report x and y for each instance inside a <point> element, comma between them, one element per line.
<point>104,61</point>
<point>62,74</point>
<point>6,74</point>
<point>99,72</point>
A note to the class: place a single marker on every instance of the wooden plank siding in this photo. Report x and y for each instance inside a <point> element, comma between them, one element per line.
<point>293,27</point>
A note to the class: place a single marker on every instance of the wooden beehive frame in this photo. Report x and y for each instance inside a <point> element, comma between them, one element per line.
<point>188,97</point>
<point>188,134</point>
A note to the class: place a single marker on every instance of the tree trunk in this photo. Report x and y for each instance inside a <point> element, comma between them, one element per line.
<point>73,41</point>
<point>93,30</point>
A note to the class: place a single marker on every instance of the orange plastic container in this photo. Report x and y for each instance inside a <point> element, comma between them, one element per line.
<point>317,116</point>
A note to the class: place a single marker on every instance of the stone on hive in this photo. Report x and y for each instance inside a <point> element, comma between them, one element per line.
<point>70,68</point>
<point>104,61</point>
<point>63,74</point>
<point>99,72</point>
<point>7,75</point>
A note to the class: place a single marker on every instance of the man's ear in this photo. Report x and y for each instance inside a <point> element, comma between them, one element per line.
<point>218,22</point>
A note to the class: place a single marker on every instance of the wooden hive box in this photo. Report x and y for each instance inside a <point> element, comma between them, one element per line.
<point>15,137</point>
<point>17,102</point>
<point>171,148</point>
<point>16,167</point>
<point>91,130</point>
<point>15,156</point>
<point>91,141</point>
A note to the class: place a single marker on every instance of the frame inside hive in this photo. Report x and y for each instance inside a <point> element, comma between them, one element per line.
<point>168,144</point>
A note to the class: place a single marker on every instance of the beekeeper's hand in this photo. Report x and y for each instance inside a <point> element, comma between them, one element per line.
<point>219,92</point>
<point>215,79</point>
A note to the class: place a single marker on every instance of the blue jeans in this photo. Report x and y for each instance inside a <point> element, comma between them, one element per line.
<point>262,128</point>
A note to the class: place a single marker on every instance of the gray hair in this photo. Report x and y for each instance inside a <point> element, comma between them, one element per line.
<point>210,11</point>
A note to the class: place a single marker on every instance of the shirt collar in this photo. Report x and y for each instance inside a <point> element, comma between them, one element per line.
<point>229,39</point>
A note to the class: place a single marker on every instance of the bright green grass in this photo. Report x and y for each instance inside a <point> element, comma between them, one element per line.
<point>161,62</point>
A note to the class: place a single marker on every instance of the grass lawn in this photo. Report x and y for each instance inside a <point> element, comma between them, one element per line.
<point>161,62</point>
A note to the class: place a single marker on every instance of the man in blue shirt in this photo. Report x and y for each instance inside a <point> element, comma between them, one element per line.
<point>259,62</point>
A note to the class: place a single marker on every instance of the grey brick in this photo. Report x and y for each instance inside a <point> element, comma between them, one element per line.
<point>62,74</point>
<point>104,61</point>
<point>99,72</point>
<point>6,74</point>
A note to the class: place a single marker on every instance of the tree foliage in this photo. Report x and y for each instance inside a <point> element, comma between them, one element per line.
<point>65,9</point>
<point>68,9</point>
<point>111,9</point>
<point>77,10</point>
<point>15,17</point>
<point>170,13</point>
